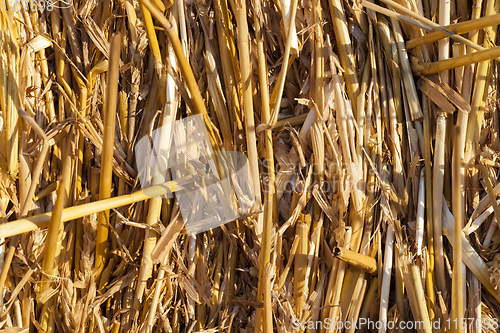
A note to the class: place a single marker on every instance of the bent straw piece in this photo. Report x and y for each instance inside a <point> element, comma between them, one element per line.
<point>490,233</point>
<point>39,221</point>
<point>438,66</point>
<point>356,259</point>
<point>458,28</point>
<point>186,69</point>
<point>451,94</point>
<point>51,255</point>
<point>484,204</point>
<point>37,171</point>
<point>396,15</point>
<point>470,257</point>
<point>475,224</point>
<point>489,189</point>
<point>155,48</point>
<point>284,274</point>
<point>278,90</point>
<point>39,163</point>
<point>432,24</point>
<point>483,75</point>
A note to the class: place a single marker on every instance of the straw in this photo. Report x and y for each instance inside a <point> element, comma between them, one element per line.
<point>247,99</point>
<point>348,160</point>
<point>278,90</point>
<point>107,154</point>
<point>433,25</point>
<point>358,260</point>
<point>184,66</point>
<point>443,65</point>
<point>346,54</point>
<point>71,213</point>
<point>437,194</point>
<point>52,252</point>
<point>270,204</point>
<point>457,28</point>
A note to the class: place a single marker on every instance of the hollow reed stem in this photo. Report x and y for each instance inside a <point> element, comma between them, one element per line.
<point>110,108</point>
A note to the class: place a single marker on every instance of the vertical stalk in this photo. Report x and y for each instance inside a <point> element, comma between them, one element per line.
<point>247,106</point>
<point>386,278</point>
<point>228,69</point>
<point>270,207</point>
<point>53,241</point>
<point>400,287</point>
<point>476,115</point>
<point>187,71</point>
<point>473,37</point>
<point>337,280</point>
<point>201,309</point>
<point>420,213</point>
<point>429,207</point>
<point>25,208</point>
<point>155,48</point>
<point>419,295</point>
<point>110,108</point>
<point>444,44</point>
<point>370,298</point>
<point>438,184</point>
<point>278,88</point>
<point>216,289</point>
<point>439,172</point>
<point>409,83</point>
<point>44,68</point>
<point>155,204</point>
<point>345,50</point>
<point>268,313</point>
<point>353,168</point>
<point>397,157</point>
<point>300,264</point>
<point>317,134</point>
<point>458,174</point>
